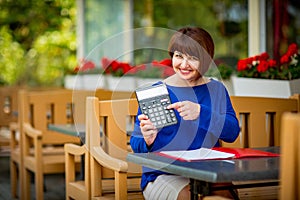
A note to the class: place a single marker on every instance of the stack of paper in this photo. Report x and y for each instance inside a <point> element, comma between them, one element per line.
<point>198,154</point>
<point>216,153</point>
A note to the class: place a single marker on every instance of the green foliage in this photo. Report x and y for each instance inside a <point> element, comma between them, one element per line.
<point>150,72</point>
<point>221,71</point>
<point>11,58</point>
<point>39,40</point>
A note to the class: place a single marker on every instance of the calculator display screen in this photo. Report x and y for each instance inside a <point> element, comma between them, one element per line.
<point>153,102</point>
<point>151,92</point>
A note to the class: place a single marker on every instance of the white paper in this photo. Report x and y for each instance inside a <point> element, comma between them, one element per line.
<point>198,154</point>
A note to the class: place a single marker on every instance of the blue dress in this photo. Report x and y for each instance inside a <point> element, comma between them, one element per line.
<point>217,121</point>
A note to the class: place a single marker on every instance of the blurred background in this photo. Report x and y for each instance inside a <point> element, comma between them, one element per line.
<point>41,41</point>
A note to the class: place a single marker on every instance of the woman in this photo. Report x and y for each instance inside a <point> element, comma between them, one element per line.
<point>202,106</point>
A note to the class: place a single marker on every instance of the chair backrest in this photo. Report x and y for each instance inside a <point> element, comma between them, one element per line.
<point>41,108</point>
<point>290,157</point>
<point>58,106</point>
<point>260,120</point>
<point>110,123</point>
<point>79,100</point>
<point>8,104</point>
<point>104,94</point>
<point>297,97</point>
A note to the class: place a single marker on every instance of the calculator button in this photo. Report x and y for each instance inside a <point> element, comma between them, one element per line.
<point>157,111</point>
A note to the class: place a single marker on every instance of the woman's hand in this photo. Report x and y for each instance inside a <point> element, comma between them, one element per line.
<point>187,109</point>
<point>149,131</point>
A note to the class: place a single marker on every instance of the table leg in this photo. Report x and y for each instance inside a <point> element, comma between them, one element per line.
<point>82,142</point>
<point>199,189</point>
<point>82,167</point>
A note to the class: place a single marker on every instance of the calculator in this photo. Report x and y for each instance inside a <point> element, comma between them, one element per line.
<point>153,101</point>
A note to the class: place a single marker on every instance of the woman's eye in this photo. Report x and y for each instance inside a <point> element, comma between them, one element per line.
<point>178,55</point>
<point>194,58</point>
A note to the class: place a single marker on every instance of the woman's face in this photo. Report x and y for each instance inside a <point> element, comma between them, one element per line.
<point>186,66</point>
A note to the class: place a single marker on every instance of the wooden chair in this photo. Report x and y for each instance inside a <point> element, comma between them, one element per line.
<point>290,157</point>
<point>260,119</point>
<point>8,114</point>
<point>16,161</point>
<point>109,151</point>
<point>78,188</point>
<point>8,120</point>
<point>9,105</point>
<point>42,150</point>
<point>297,97</point>
<point>260,122</point>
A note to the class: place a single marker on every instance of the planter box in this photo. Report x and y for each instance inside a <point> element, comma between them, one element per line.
<point>147,81</point>
<point>73,82</point>
<point>124,83</point>
<point>229,86</point>
<point>93,81</point>
<point>265,87</point>
<point>84,81</point>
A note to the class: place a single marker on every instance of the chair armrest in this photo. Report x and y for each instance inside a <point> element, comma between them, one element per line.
<point>32,132</point>
<point>108,161</point>
<point>14,134</point>
<point>13,126</point>
<point>74,149</point>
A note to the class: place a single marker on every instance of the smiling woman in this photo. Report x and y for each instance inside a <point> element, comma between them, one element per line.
<point>197,101</point>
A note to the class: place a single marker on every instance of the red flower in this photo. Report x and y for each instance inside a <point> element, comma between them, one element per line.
<point>84,65</point>
<point>243,64</point>
<point>292,49</point>
<point>262,66</point>
<point>264,56</point>
<point>125,67</point>
<point>165,62</point>
<point>114,67</point>
<point>272,63</point>
<point>285,59</point>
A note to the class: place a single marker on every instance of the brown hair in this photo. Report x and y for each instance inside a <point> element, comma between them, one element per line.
<point>193,41</point>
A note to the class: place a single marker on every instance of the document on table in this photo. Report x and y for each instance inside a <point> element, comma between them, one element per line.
<point>197,154</point>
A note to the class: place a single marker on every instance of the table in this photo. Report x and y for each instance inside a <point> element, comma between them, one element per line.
<point>77,130</point>
<point>203,174</point>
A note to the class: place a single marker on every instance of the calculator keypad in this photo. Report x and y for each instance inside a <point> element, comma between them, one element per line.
<point>156,109</point>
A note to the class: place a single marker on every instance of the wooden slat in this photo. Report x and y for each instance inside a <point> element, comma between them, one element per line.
<point>254,114</point>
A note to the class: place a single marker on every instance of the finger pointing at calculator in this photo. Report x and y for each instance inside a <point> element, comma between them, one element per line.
<point>187,110</point>
<point>148,130</point>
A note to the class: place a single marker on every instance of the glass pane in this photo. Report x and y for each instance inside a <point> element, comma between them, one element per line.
<point>103,19</point>
<point>225,20</point>
<point>283,19</point>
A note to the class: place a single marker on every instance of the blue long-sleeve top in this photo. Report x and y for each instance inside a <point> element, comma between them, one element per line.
<point>217,121</point>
